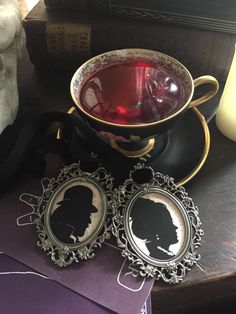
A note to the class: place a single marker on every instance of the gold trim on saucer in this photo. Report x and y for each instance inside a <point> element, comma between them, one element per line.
<point>205,152</point>
<point>135,153</point>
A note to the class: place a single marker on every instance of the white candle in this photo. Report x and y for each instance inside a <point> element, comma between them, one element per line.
<point>226,113</point>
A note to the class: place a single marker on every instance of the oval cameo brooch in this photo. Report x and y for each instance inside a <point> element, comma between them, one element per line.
<point>73,216</point>
<point>156,225</point>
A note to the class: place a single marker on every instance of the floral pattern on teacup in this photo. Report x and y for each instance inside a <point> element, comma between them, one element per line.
<point>111,136</point>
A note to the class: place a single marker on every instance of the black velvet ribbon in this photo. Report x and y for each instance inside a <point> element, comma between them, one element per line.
<point>24,147</point>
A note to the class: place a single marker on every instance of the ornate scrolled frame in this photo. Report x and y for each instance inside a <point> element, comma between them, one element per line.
<point>61,253</point>
<point>173,270</point>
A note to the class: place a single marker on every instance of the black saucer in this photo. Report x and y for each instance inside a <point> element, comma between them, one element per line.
<point>187,148</point>
<point>182,158</point>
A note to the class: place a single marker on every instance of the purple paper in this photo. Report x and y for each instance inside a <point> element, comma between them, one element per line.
<point>106,279</point>
<point>26,291</point>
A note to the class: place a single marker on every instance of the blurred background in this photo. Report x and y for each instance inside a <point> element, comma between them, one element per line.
<point>26,6</point>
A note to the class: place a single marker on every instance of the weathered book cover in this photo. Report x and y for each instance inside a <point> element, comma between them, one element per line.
<point>67,39</point>
<point>212,14</point>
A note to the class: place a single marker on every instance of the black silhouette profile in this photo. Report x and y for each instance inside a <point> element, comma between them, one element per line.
<point>71,218</point>
<point>152,222</point>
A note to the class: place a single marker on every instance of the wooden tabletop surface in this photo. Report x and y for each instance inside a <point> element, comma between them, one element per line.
<point>211,285</point>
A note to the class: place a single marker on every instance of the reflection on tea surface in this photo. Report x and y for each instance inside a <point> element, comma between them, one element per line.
<point>132,93</point>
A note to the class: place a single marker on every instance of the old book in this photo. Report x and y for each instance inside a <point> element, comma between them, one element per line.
<point>67,39</point>
<point>212,14</point>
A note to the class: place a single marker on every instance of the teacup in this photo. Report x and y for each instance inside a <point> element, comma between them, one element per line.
<point>130,96</point>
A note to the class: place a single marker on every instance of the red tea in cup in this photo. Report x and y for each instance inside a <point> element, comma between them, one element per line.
<point>132,93</point>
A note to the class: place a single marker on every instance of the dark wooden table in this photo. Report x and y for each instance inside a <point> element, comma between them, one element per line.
<point>211,285</point>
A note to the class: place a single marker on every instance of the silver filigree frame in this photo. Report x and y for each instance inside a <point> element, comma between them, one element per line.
<point>174,269</point>
<point>63,254</point>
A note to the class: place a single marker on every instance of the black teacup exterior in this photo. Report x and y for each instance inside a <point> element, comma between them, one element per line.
<point>131,133</point>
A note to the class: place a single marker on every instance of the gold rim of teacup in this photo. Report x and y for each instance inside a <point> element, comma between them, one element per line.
<point>131,50</point>
<point>205,152</point>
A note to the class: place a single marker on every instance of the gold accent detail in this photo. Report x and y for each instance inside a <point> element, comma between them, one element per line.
<point>72,109</point>
<point>205,79</point>
<point>68,42</point>
<point>59,131</point>
<point>58,136</point>
<point>134,153</point>
<point>205,150</point>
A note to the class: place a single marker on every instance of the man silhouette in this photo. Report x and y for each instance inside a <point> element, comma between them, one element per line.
<point>71,218</point>
<point>152,223</point>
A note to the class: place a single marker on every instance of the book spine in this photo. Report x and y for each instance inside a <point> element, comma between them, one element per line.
<point>97,6</point>
<point>212,16</point>
<point>67,44</point>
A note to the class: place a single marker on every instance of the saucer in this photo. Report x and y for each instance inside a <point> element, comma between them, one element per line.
<point>184,155</point>
<point>187,148</point>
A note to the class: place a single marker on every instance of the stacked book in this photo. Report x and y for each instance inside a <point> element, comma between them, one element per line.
<point>211,14</point>
<point>201,35</point>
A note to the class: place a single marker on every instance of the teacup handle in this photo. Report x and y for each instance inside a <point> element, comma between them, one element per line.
<point>205,79</point>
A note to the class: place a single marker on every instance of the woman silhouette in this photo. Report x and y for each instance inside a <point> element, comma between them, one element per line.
<point>71,218</point>
<point>152,223</point>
